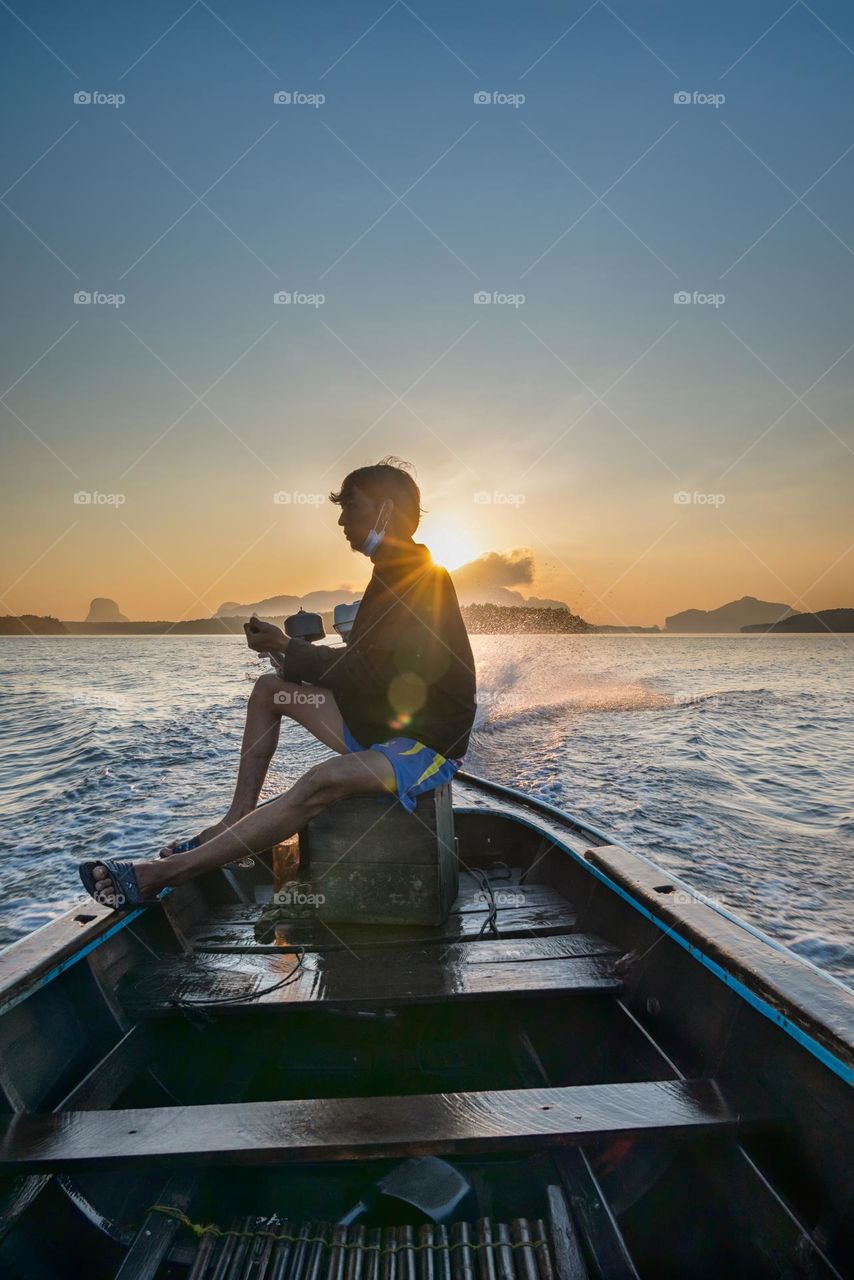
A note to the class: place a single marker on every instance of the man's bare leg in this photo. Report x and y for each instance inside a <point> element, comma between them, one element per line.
<point>312,707</point>
<point>357,773</point>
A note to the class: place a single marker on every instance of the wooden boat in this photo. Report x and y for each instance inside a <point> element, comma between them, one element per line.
<point>625,1080</point>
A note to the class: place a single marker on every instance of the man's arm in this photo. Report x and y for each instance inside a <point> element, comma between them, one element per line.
<point>366,668</point>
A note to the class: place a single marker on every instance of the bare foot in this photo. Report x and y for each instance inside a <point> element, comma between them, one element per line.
<point>202,837</point>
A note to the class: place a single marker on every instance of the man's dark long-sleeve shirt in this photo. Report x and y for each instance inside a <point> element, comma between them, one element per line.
<point>408,670</point>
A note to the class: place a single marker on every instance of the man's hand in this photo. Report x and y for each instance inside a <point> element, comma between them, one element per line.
<point>264,637</point>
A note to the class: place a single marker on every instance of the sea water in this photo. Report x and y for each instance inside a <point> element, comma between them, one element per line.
<point>729,760</point>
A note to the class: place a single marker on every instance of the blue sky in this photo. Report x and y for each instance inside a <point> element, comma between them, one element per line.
<point>397,199</point>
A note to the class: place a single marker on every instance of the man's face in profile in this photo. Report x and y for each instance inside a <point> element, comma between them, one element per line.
<point>358,513</point>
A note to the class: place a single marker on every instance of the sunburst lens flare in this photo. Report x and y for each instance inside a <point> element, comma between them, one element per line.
<point>451,547</point>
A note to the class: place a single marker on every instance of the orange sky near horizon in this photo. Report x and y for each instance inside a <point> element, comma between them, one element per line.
<point>612,564</point>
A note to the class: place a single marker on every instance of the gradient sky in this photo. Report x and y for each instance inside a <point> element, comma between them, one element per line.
<point>398,199</point>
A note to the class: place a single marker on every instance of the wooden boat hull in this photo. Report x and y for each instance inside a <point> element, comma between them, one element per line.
<point>613,1044</point>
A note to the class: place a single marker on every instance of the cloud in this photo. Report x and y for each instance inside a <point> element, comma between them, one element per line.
<point>490,579</point>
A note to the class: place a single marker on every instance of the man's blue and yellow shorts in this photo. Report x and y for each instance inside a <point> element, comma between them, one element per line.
<point>417,769</point>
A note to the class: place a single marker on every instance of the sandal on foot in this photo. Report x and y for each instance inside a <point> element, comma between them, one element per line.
<point>180,846</point>
<point>126,891</point>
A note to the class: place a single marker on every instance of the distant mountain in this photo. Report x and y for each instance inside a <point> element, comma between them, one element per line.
<point>543,602</point>
<point>102,609</point>
<point>825,620</point>
<point>325,601</point>
<point>281,606</point>
<point>748,611</point>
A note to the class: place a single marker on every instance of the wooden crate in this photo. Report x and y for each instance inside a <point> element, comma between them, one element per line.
<point>371,862</point>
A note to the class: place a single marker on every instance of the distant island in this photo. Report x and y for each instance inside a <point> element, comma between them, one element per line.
<point>824,620</point>
<point>735,616</point>
<point>103,609</point>
<point>503,619</point>
<point>480,619</point>
<point>280,606</point>
<point>35,625</point>
<point>485,618</point>
<point>28,624</point>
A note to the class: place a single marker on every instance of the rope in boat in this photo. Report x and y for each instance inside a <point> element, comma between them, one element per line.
<point>490,924</point>
<point>242,997</point>
<point>202,1229</point>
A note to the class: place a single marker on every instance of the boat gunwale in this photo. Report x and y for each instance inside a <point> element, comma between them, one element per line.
<point>831,988</point>
<point>26,979</point>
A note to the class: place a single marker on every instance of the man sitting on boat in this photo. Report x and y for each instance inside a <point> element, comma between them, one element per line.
<point>397,703</point>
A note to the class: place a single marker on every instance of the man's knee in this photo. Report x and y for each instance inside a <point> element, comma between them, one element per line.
<point>333,780</point>
<point>358,774</point>
<point>320,785</point>
<point>271,691</point>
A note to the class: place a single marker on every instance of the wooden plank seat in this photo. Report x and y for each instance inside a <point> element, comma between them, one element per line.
<point>470,899</point>
<point>336,1129</point>
<point>474,970</point>
<point>521,911</point>
<point>313,935</point>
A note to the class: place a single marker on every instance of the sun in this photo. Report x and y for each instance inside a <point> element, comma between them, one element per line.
<point>450,545</point>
